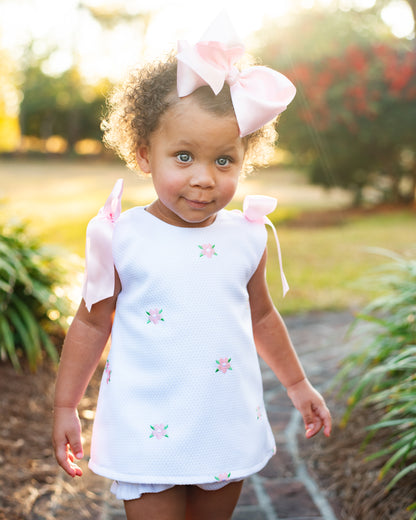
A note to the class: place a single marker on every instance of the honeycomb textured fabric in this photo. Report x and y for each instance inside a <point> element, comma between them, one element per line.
<point>181,397</point>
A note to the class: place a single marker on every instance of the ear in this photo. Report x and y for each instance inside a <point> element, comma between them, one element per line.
<point>143,158</point>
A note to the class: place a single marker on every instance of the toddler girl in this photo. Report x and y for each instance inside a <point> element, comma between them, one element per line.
<point>180,285</point>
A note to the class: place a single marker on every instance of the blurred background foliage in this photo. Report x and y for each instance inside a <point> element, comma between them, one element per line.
<point>34,306</point>
<point>352,123</point>
<point>62,109</point>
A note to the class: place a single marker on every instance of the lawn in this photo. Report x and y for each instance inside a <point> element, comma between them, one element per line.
<point>323,264</point>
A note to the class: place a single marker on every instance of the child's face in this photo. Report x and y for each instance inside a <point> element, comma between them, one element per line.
<point>195,158</point>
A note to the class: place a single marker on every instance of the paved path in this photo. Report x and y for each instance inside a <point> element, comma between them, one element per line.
<point>284,489</point>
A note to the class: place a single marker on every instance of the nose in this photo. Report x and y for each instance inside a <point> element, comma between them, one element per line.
<point>203,177</point>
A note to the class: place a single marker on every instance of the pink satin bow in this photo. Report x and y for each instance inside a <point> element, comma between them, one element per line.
<point>255,209</point>
<point>99,266</point>
<point>258,94</point>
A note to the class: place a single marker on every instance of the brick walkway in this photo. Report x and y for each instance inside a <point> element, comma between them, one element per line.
<point>284,489</point>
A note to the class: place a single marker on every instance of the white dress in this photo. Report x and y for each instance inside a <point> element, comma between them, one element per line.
<point>181,398</point>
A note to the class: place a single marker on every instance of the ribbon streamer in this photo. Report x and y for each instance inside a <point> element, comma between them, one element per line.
<point>255,209</point>
<point>258,94</point>
<point>99,276</point>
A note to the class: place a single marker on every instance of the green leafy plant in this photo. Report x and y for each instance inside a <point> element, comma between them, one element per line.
<point>382,375</point>
<point>33,308</point>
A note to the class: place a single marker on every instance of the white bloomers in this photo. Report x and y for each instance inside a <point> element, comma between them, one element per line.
<point>129,491</point>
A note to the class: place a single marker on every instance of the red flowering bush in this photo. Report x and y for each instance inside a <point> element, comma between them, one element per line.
<point>353,122</point>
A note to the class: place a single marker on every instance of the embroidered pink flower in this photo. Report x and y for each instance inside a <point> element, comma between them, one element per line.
<point>207,250</point>
<point>159,431</point>
<point>107,370</point>
<point>223,365</point>
<point>223,477</point>
<point>154,316</point>
<point>259,414</point>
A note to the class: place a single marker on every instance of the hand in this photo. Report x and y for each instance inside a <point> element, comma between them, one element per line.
<point>312,406</point>
<point>66,439</point>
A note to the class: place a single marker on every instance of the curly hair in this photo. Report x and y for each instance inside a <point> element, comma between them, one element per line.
<point>136,107</point>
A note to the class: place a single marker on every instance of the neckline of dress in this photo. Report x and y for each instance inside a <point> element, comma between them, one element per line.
<point>197,228</point>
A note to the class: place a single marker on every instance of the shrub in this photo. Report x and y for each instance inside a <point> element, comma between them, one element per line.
<point>32,306</point>
<point>383,373</point>
<point>362,105</point>
<point>352,123</point>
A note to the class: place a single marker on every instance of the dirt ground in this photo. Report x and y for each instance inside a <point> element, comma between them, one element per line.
<point>33,488</point>
<point>352,483</point>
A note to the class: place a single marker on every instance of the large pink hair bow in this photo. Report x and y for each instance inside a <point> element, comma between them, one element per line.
<point>99,266</point>
<point>258,94</point>
<point>255,209</point>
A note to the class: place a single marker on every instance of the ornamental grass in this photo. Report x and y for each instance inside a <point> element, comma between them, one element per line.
<point>381,374</point>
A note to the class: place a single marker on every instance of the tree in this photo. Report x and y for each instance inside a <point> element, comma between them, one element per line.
<point>62,105</point>
<point>9,127</point>
<point>65,105</point>
<point>353,121</point>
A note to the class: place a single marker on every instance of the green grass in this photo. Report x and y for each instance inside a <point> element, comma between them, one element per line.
<point>324,266</point>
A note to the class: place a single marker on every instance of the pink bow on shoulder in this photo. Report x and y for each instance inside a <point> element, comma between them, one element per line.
<point>255,209</point>
<point>99,267</point>
<point>258,94</point>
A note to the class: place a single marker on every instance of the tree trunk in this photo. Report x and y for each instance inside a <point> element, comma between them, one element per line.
<point>413,189</point>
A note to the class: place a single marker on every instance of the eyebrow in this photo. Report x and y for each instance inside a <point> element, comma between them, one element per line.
<point>184,143</point>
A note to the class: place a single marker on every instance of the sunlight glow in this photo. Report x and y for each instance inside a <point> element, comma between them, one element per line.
<point>67,30</point>
<point>398,16</point>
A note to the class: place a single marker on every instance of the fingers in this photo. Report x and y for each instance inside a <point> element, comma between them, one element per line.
<point>67,441</point>
<point>316,419</point>
<point>66,460</point>
<point>312,406</point>
<point>75,443</point>
<point>70,465</point>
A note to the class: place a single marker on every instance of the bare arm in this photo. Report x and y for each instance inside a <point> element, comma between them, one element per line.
<point>82,350</point>
<point>275,347</point>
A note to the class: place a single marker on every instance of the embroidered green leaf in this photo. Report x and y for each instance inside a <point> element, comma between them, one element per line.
<point>152,427</point>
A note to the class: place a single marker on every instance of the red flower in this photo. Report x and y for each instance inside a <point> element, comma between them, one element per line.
<point>356,58</point>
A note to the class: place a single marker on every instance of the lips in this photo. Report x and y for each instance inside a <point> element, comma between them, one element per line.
<point>198,204</point>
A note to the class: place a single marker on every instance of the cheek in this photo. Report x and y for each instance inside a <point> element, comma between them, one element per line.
<point>167,185</point>
<point>229,187</point>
